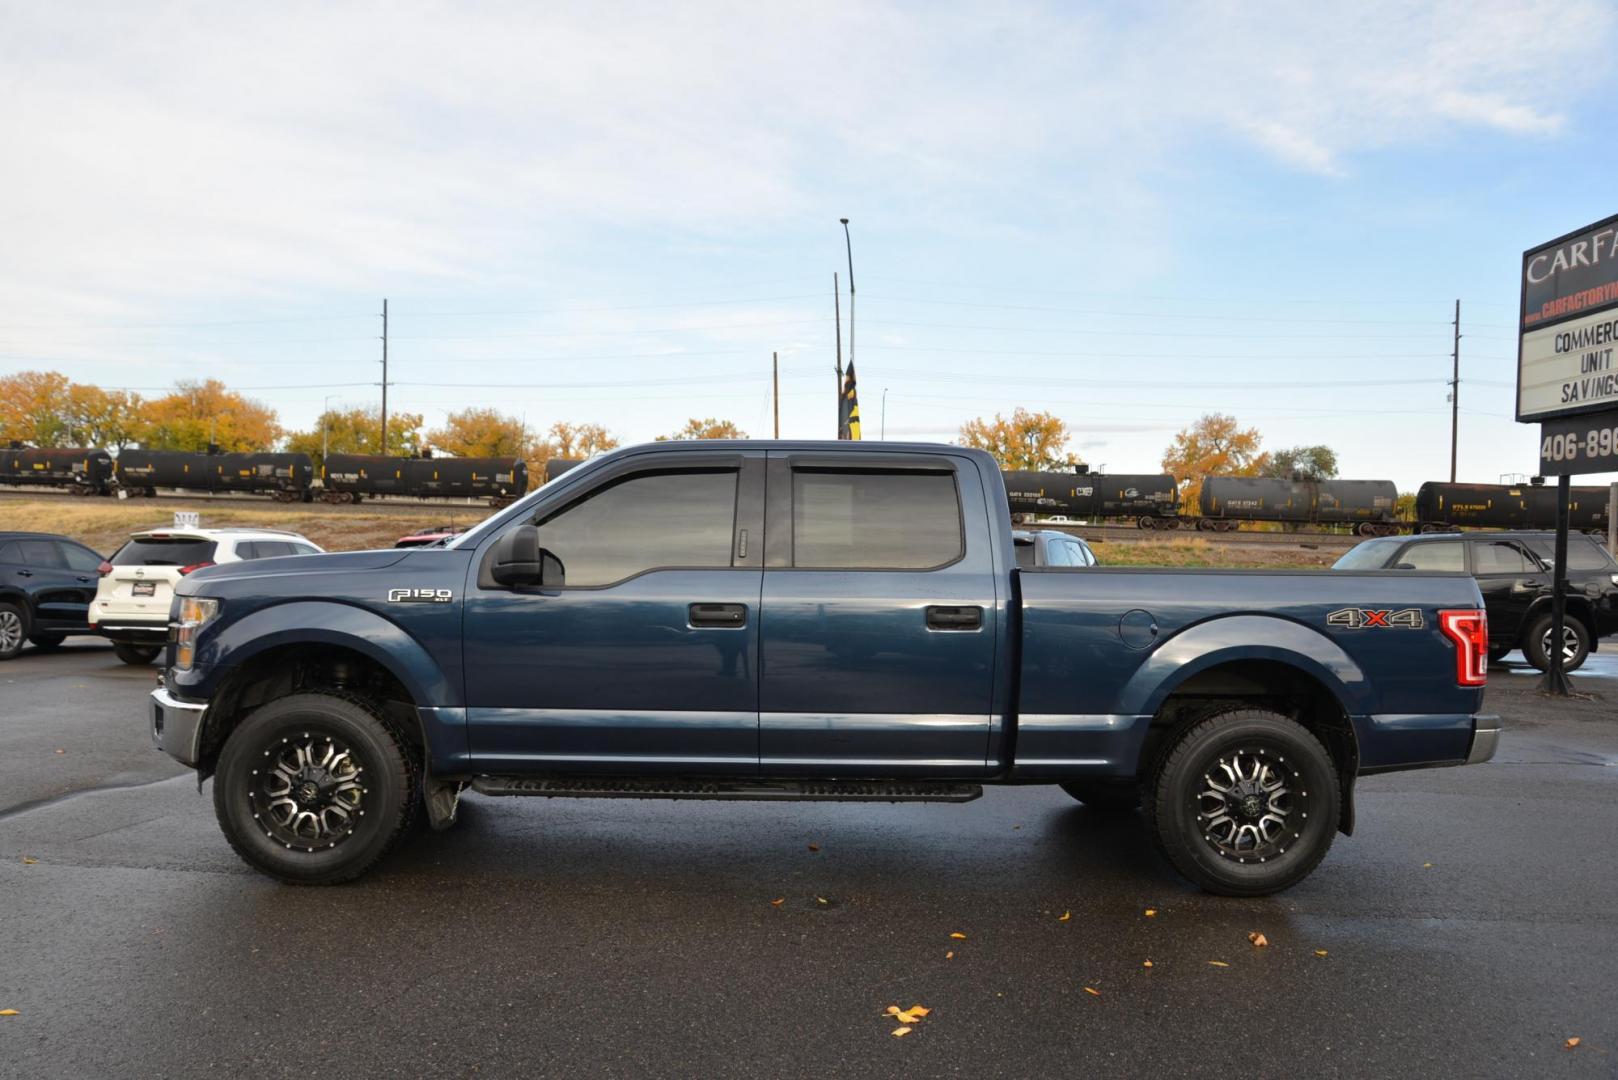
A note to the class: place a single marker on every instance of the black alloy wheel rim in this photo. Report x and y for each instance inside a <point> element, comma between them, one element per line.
<point>1250,805</point>
<point>307,791</point>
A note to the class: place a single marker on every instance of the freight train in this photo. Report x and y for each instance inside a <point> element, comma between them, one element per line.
<point>1368,506</point>
<point>349,478</point>
<point>82,470</point>
<point>1151,501</point>
<point>1442,506</point>
<point>284,477</point>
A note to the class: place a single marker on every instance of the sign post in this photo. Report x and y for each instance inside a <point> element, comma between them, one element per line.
<point>1567,382</point>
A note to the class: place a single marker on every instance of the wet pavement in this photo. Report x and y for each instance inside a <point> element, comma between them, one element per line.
<point>1469,927</point>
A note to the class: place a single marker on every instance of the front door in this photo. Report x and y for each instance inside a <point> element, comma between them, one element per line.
<point>646,658</point>
<point>880,617</point>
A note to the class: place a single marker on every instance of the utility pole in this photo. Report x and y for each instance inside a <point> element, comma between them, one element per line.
<point>1455,396</point>
<point>384,449</point>
<point>837,319</point>
<point>775,383</point>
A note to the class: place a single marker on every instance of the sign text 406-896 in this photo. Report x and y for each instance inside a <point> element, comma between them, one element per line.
<point>1579,444</point>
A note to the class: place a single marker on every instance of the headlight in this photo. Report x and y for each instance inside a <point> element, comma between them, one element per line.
<point>195,613</point>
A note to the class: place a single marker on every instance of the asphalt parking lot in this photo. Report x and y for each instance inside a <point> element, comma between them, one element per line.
<point>1469,927</point>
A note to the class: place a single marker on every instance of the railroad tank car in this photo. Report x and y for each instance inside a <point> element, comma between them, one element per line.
<point>353,477</point>
<point>284,477</point>
<point>1368,505</point>
<point>82,470</point>
<point>1152,500</point>
<point>1507,506</point>
<point>556,466</point>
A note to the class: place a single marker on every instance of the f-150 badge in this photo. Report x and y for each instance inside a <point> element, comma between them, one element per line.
<point>420,596</point>
<point>1353,618</point>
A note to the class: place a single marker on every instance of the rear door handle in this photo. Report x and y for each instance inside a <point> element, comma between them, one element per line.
<point>717,616</point>
<point>25,573</point>
<point>954,618</point>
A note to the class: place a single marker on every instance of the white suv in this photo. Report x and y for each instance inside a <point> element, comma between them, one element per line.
<point>131,607</point>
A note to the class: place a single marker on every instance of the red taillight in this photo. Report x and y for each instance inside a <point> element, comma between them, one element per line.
<point>104,569</point>
<point>1469,630</point>
<point>184,570</point>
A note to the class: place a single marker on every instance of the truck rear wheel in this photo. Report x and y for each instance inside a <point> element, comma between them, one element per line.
<point>1100,796</point>
<point>314,789</point>
<point>1245,803</point>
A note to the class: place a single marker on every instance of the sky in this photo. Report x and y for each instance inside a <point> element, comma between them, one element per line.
<point>1128,215</point>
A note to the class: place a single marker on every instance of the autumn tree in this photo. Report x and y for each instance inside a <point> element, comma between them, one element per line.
<point>1216,445</point>
<point>106,418</point>
<point>482,432</point>
<point>195,414</point>
<point>358,431</point>
<point>1027,442</point>
<point>708,428</point>
<point>1305,462</point>
<point>578,440</point>
<point>31,408</point>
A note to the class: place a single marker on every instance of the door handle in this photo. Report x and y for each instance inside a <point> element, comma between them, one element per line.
<point>717,616</point>
<point>25,573</point>
<point>940,617</point>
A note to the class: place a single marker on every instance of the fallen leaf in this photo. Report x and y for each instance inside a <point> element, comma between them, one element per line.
<point>1064,917</point>
<point>919,1010</point>
<point>899,1033</point>
<point>59,751</point>
<point>29,860</point>
<point>1092,990</point>
<point>778,902</point>
<point>958,936</point>
<point>908,1016</point>
<point>13,1012</point>
<point>950,955</point>
<point>1424,866</point>
<point>1320,952</point>
<point>1570,1044</point>
<point>822,900</point>
<point>1258,940</point>
<point>814,847</point>
<point>1016,826</point>
<point>1147,964</point>
<point>1151,913</point>
<point>1217,963</point>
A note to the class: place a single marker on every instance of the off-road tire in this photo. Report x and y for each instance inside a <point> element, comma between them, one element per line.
<point>1105,796</point>
<point>45,642</point>
<point>1171,802</point>
<point>14,623</point>
<point>137,655</point>
<point>392,786</point>
<point>1533,643</point>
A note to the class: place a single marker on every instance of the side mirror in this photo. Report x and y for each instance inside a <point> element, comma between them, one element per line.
<point>517,559</point>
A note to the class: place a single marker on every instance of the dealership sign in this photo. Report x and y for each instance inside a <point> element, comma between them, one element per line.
<point>1567,352</point>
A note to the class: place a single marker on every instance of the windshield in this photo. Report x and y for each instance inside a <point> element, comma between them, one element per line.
<point>1371,555</point>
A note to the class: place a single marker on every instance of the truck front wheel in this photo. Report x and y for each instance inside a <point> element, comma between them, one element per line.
<point>1245,803</point>
<point>314,789</point>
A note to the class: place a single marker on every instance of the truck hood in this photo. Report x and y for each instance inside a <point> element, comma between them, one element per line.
<point>342,562</point>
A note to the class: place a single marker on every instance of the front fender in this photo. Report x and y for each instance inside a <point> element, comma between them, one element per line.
<point>1234,638</point>
<point>318,622</point>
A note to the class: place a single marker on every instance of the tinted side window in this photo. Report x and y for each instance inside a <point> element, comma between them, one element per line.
<point>1023,549</point>
<point>179,551</point>
<point>78,558</point>
<point>41,553</point>
<point>246,550</point>
<point>271,549</point>
<point>303,549</point>
<point>1057,553</point>
<point>1583,553</point>
<point>642,523</point>
<point>1500,557</point>
<point>866,519</point>
<point>1434,555</point>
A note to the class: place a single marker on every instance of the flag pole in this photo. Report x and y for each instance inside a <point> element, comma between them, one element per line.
<point>837,318</point>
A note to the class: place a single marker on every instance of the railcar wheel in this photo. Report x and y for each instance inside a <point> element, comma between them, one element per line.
<point>1536,646</point>
<point>314,789</point>
<point>1245,803</point>
<point>1147,521</point>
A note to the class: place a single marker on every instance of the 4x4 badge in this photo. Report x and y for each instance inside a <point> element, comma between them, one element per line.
<point>1353,618</point>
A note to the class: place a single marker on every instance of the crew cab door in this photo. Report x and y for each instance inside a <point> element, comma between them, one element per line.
<point>645,659</point>
<point>880,619</point>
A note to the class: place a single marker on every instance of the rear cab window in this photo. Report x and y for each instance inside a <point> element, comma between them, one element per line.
<point>165,551</point>
<point>872,519</point>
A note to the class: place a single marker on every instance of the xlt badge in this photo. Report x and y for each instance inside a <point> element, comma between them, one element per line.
<point>420,596</point>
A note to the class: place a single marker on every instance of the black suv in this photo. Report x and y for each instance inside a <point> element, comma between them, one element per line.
<point>46,585</point>
<point>1513,569</point>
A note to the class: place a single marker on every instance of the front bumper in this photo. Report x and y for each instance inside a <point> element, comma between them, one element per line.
<point>177,726</point>
<point>1485,740</point>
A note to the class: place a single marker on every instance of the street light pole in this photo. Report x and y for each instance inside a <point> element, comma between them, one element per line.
<point>884,435</point>
<point>849,244</point>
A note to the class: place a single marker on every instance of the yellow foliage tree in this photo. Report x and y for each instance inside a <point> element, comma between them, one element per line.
<point>578,441</point>
<point>476,432</point>
<point>707,428</point>
<point>31,407</point>
<point>197,413</point>
<point>1027,442</point>
<point>358,431</point>
<point>1216,445</point>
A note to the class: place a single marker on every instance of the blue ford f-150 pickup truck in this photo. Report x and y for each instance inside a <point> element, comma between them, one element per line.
<point>740,620</point>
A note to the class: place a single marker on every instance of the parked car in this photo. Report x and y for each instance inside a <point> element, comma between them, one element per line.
<point>436,536</point>
<point>131,605</point>
<point>46,585</point>
<point>565,647</point>
<point>1048,547</point>
<point>1514,572</point>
